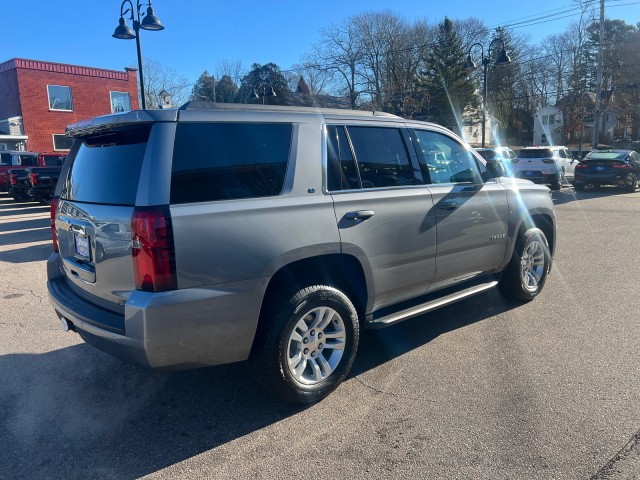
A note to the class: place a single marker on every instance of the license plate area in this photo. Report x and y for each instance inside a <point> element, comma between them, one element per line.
<point>83,249</point>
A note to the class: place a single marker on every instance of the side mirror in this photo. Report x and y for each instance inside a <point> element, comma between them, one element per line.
<point>495,170</point>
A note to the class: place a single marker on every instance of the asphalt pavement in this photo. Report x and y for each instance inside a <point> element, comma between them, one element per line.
<point>484,389</point>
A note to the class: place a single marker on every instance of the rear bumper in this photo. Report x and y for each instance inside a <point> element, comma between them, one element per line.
<point>606,179</point>
<point>174,330</point>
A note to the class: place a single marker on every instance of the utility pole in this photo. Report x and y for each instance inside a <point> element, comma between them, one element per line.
<point>597,113</point>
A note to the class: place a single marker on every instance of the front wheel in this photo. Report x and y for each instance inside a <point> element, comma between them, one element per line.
<point>527,272</point>
<point>305,344</point>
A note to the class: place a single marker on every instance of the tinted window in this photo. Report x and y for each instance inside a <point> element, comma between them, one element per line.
<point>342,172</point>
<point>381,157</point>
<point>5,159</point>
<point>106,168</point>
<point>53,161</point>
<point>444,160</point>
<point>535,153</point>
<point>220,161</point>
<point>28,160</point>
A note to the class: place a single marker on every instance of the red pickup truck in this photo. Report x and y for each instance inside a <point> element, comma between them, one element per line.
<point>18,160</point>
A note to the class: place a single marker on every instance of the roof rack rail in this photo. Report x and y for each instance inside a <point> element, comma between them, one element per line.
<point>204,105</point>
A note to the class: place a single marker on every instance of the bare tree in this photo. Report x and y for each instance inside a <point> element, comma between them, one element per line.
<point>157,77</point>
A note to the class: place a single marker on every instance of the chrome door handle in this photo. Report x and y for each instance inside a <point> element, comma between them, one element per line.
<point>359,215</point>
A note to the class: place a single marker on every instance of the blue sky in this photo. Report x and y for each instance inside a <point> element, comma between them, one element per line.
<point>198,33</point>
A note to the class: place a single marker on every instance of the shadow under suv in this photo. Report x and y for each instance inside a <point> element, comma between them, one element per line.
<point>220,233</point>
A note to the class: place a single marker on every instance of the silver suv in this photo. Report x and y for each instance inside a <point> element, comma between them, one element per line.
<point>220,233</point>
<point>542,165</point>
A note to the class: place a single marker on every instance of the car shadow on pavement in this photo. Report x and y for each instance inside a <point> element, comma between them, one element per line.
<point>33,253</point>
<point>22,209</point>
<point>77,412</point>
<point>380,346</point>
<point>24,224</point>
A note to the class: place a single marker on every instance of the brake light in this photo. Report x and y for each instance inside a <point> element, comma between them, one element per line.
<point>621,165</point>
<point>13,179</point>
<point>152,251</point>
<point>548,160</point>
<point>34,178</point>
<point>54,235</point>
<point>581,166</point>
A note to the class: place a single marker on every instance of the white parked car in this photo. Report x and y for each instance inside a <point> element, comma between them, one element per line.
<point>542,165</point>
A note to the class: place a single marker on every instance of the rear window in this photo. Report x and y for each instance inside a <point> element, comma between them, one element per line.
<point>535,153</point>
<point>105,168</point>
<point>53,161</point>
<point>606,156</point>
<point>224,161</point>
<point>29,160</point>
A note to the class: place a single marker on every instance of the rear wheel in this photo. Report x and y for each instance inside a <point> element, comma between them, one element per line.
<point>557,185</point>
<point>305,344</point>
<point>527,272</point>
<point>631,188</point>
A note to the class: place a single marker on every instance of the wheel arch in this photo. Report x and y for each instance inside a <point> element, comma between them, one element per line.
<point>342,271</point>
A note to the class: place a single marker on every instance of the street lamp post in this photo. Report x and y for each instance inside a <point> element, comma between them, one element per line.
<point>470,66</point>
<point>272,93</point>
<point>123,32</point>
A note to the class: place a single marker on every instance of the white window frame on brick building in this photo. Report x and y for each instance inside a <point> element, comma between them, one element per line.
<point>57,97</point>
<point>120,101</point>
<point>66,139</point>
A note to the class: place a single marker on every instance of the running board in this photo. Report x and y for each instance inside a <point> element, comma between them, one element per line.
<point>429,306</point>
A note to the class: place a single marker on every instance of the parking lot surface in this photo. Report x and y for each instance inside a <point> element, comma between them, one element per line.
<point>481,389</point>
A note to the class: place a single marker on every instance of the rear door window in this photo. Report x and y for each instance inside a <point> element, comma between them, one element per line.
<point>105,168</point>
<point>224,161</point>
<point>382,157</point>
<point>5,159</point>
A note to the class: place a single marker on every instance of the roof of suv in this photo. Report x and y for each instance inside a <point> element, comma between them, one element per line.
<point>96,124</point>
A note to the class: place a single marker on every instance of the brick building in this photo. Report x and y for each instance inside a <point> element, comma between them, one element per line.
<point>49,96</point>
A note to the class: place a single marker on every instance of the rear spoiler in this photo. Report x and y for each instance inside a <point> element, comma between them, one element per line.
<point>106,122</point>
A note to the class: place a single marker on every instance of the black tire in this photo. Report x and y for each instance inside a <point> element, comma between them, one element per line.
<point>557,185</point>
<point>513,283</point>
<point>275,344</point>
<point>634,185</point>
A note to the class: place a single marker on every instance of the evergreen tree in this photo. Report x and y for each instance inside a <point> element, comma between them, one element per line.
<point>302,86</point>
<point>226,90</point>
<point>444,88</point>
<point>204,88</point>
<point>261,79</point>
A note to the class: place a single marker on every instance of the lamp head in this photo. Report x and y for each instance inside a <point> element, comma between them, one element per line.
<point>150,21</point>
<point>469,65</point>
<point>122,31</point>
<point>503,58</point>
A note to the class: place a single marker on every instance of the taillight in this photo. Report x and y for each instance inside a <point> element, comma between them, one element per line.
<point>34,178</point>
<point>581,166</point>
<point>621,165</point>
<point>154,265</point>
<point>12,179</point>
<point>54,236</point>
<point>548,160</point>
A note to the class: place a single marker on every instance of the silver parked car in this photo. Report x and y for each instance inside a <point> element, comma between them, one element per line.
<point>275,234</point>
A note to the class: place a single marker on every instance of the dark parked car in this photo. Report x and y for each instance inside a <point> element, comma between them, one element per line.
<point>14,160</point>
<point>608,167</point>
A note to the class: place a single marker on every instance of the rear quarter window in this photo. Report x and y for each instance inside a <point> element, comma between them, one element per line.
<point>225,161</point>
